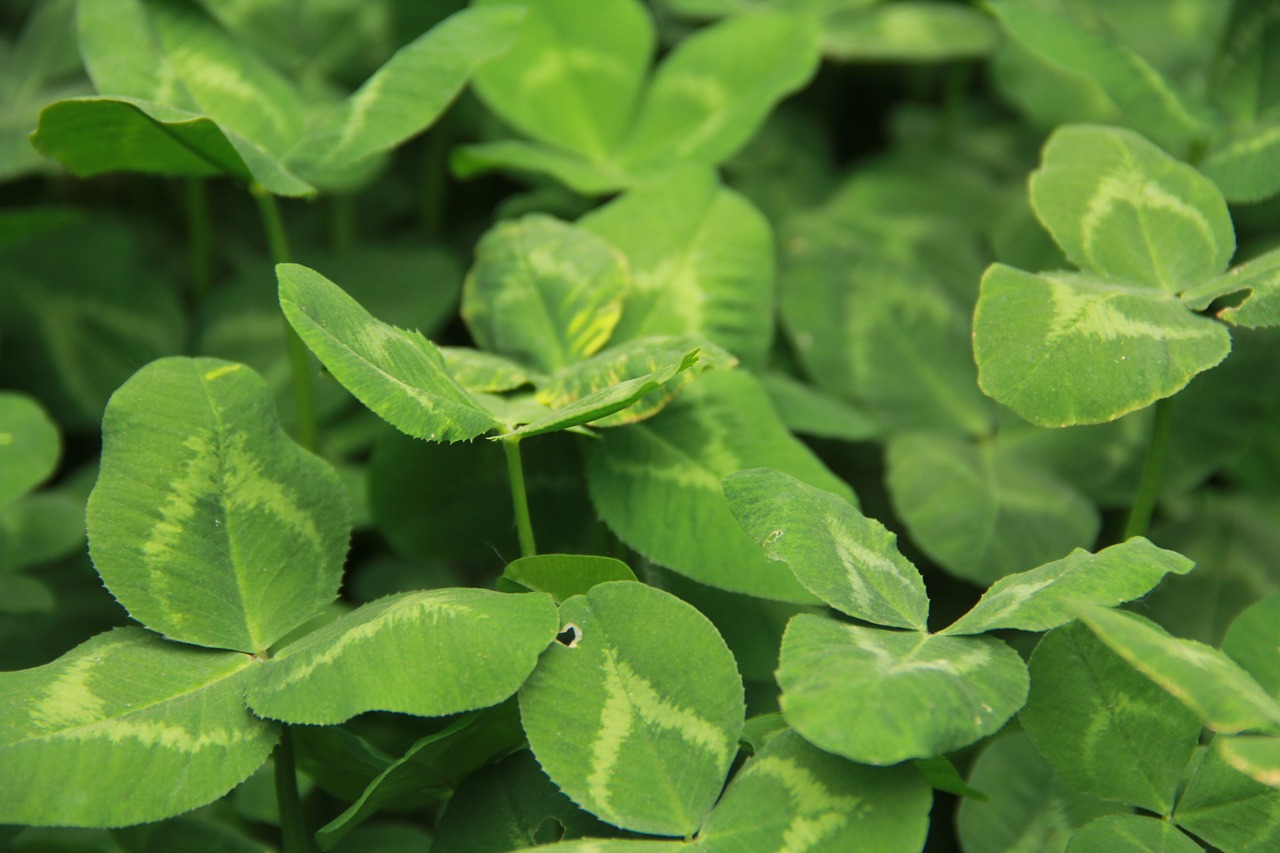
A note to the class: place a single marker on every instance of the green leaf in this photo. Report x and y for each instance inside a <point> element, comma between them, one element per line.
<point>979,514</point>
<point>483,372</point>
<point>1227,808</point>
<point>544,293</point>
<point>1105,728</point>
<point>942,775</point>
<point>1260,277</point>
<point>1121,208</point>
<point>1130,834</point>
<point>810,411</point>
<point>20,594</point>
<point>589,72</point>
<point>1245,164</point>
<point>1146,100</point>
<point>701,260</point>
<point>1253,640</point>
<point>429,653</point>
<point>656,484</point>
<point>431,768</point>
<point>1208,682</point>
<point>1256,756</point>
<point>713,91</point>
<point>30,445</point>
<point>833,673</point>
<point>122,703</point>
<point>40,528</point>
<point>398,374</point>
<point>1039,599</point>
<point>1030,808</point>
<point>1062,349</point>
<point>207,522</point>
<point>185,833</point>
<point>578,175</point>
<point>566,575</point>
<point>659,712</point>
<point>505,807</point>
<point>639,371</point>
<point>98,134</point>
<point>407,94</point>
<point>914,31</point>
<point>143,71</point>
<point>791,796</point>
<point>846,559</point>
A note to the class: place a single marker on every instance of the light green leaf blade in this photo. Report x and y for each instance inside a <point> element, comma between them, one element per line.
<point>832,673</point>
<point>1256,756</point>
<point>429,653</point>
<point>914,31</point>
<point>1245,165</point>
<point>1253,641</point>
<point>642,371</point>
<point>143,71</point>
<point>571,80</point>
<point>810,411</point>
<point>1204,679</point>
<point>566,575</point>
<point>581,176</point>
<point>1146,100</point>
<point>94,135</point>
<point>1260,307</point>
<point>407,94</point>
<point>30,445</point>
<point>123,706</point>
<point>982,516</point>
<point>1038,599</point>
<point>846,559</point>
<point>657,484</point>
<point>1063,349</point>
<point>701,260</point>
<point>1130,834</point>
<point>207,522</point>
<point>791,796</point>
<point>659,713</point>
<point>716,87</point>
<point>398,374</point>
<point>1121,208</point>
<point>1029,807</point>
<point>39,528</point>
<point>543,292</point>
<point>1227,808</point>
<point>481,371</point>
<point>1105,728</point>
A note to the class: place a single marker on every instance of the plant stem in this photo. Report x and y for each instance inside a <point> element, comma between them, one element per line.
<point>1144,503</point>
<point>296,837</point>
<point>515,473</point>
<point>200,233</point>
<point>304,395</point>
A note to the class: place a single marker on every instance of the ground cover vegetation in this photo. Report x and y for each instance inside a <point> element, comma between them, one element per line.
<point>722,425</point>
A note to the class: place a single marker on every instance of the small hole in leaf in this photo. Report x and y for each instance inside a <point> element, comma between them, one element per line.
<point>569,636</point>
<point>548,832</point>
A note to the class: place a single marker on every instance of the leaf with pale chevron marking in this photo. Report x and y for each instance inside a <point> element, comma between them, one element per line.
<point>1244,164</point>
<point>793,797</point>
<point>648,371</point>
<point>1204,679</point>
<point>701,258</point>
<point>1258,279</point>
<point>566,575</point>
<point>657,483</point>
<point>30,445</point>
<point>656,713</point>
<point>118,708</point>
<point>398,374</point>
<point>846,559</point>
<point>207,522</point>
<point>1106,729</point>
<point>1035,600</point>
<point>429,653</point>
<point>1227,808</point>
<point>1123,209</point>
<point>1130,834</point>
<point>543,292</point>
<point>483,372</point>
<point>858,691</point>
<point>1256,756</point>
<point>1063,348</point>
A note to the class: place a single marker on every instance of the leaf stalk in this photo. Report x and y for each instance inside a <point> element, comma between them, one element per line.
<point>515,474</point>
<point>1144,502</point>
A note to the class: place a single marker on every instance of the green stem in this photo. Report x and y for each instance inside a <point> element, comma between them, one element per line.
<point>1144,504</point>
<point>515,473</point>
<point>296,837</point>
<point>200,233</point>
<point>304,395</point>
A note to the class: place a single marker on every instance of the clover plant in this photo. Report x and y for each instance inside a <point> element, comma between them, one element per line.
<point>704,425</point>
